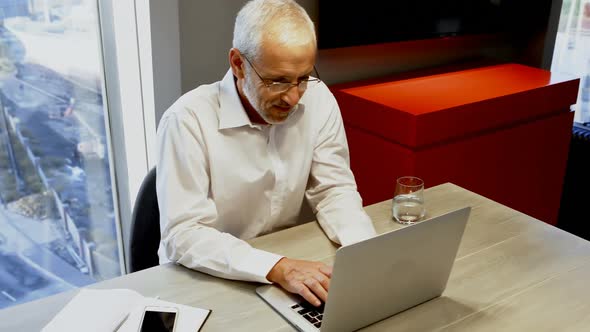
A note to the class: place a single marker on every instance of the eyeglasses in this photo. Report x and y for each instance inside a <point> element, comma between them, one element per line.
<point>282,87</point>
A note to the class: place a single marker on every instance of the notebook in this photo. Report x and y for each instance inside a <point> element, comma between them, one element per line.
<point>379,277</point>
<point>118,310</point>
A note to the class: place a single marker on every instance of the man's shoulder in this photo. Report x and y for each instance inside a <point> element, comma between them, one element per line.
<point>195,103</point>
<point>321,102</point>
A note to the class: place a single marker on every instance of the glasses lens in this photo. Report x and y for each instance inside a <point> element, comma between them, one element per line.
<point>279,87</point>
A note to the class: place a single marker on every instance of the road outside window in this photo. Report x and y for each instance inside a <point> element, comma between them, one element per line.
<point>58,229</point>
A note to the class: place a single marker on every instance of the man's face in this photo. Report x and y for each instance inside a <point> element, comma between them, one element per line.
<point>276,106</point>
<point>271,108</point>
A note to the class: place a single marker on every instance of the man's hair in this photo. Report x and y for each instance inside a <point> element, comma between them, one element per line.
<point>257,16</point>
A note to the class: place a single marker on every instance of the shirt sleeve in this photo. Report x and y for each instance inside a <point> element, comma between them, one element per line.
<point>331,190</point>
<point>186,210</point>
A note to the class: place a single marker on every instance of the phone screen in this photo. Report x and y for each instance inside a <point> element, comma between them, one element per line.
<point>158,321</point>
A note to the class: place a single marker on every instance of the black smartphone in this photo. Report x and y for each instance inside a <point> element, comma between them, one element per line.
<point>158,319</point>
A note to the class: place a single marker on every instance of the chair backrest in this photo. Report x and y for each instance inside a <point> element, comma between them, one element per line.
<point>145,226</point>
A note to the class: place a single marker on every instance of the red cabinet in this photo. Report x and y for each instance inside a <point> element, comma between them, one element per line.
<point>502,131</point>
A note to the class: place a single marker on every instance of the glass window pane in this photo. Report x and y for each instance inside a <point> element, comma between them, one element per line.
<point>58,228</point>
<point>571,54</point>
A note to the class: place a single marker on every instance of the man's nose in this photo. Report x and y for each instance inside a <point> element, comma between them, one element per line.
<point>291,96</point>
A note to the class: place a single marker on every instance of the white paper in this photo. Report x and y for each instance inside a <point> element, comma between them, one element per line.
<point>188,319</point>
<point>104,310</point>
<point>95,310</point>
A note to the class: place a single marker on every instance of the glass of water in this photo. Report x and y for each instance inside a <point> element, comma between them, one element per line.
<point>408,201</point>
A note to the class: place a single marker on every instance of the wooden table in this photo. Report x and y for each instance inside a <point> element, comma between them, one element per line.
<point>512,273</point>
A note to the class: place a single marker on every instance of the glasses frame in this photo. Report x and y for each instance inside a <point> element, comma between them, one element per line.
<point>273,85</point>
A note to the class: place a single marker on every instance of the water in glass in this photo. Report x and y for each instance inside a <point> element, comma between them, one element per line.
<point>408,209</point>
<point>408,201</point>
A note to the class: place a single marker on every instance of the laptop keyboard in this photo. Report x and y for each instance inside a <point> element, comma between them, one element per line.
<point>312,314</point>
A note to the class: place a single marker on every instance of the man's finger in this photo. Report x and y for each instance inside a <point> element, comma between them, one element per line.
<point>323,280</point>
<point>327,270</point>
<point>307,294</point>
<point>317,288</point>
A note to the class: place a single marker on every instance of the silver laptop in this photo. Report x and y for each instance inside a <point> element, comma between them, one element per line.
<point>379,277</point>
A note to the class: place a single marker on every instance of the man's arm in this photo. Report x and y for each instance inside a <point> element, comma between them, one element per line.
<point>333,197</point>
<point>332,191</point>
<point>186,211</point>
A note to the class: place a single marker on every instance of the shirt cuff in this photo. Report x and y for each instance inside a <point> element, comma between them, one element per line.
<point>356,232</point>
<point>258,264</point>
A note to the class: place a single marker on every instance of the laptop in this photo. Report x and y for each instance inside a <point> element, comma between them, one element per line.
<point>379,277</point>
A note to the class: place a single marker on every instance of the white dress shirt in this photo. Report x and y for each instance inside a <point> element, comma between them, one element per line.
<point>222,179</point>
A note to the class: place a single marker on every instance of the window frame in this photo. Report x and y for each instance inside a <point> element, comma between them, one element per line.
<point>131,118</point>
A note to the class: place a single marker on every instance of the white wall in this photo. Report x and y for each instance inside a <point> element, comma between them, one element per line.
<point>206,29</point>
<point>165,53</point>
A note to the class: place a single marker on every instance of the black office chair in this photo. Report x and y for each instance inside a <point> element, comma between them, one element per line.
<point>145,226</point>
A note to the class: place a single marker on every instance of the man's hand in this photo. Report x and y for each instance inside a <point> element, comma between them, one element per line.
<point>311,280</point>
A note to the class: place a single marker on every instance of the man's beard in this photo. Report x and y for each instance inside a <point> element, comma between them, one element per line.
<point>252,96</point>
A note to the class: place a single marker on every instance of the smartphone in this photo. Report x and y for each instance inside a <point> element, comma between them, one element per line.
<point>158,319</point>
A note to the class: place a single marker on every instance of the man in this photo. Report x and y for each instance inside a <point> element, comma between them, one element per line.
<point>237,158</point>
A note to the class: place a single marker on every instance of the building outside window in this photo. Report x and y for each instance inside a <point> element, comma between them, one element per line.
<point>572,51</point>
<point>58,225</point>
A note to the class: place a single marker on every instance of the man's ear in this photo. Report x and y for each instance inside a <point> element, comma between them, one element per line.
<point>236,63</point>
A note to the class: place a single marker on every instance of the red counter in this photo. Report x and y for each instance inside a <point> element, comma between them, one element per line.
<point>502,131</point>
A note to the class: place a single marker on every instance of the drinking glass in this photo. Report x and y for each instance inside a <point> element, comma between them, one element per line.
<point>408,201</point>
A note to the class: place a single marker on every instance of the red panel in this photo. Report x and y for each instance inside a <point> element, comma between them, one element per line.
<point>377,164</point>
<point>501,131</point>
<point>433,93</point>
<point>427,110</point>
<point>521,167</point>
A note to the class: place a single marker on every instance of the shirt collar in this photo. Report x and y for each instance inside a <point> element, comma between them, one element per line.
<point>231,111</point>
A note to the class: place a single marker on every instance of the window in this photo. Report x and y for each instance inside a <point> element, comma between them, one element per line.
<point>58,223</point>
<point>571,54</point>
